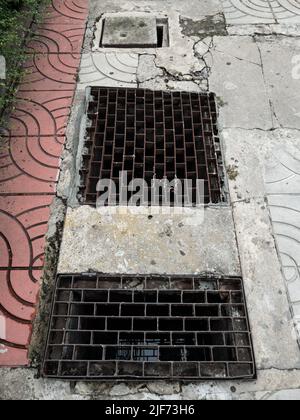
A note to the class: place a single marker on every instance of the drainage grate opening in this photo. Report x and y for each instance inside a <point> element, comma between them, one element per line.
<point>152,135</point>
<point>99,333</point>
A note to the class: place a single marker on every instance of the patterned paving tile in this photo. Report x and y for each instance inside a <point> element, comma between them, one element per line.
<point>283,189</point>
<point>19,294</point>
<point>286,11</point>
<point>66,11</point>
<point>57,38</point>
<point>30,151</point>
<point>23,226</point>
<point>239,12</point>
<point>29,165</point>
<point>108,69</point>
<point>40,113</point>
<point>50,72</point>
<point>261,11</point>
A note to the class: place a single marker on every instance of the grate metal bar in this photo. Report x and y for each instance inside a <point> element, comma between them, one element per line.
<point>117,327</point>
<point>152,134</point>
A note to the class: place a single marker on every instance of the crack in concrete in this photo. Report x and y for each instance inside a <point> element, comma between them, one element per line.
<point>272,109</point>
<point>269,130</point>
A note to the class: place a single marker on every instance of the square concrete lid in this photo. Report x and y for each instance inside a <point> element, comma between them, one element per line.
<point>129,31</point>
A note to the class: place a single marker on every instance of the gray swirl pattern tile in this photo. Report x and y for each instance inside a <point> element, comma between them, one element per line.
<point>239,12</point>
<point>283,189</point>
<point>108,69</point>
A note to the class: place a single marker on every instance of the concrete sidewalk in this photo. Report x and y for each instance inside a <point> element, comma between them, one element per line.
<point>249,56</point>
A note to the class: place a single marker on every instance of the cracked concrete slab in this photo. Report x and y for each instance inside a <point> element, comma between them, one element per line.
<point>178,60</point>
<point>236,76</point>
<point>264,29</point>
<point>187,243</point>
<point>273,332</point>
<point>270,159</point>
<point>281,66</point>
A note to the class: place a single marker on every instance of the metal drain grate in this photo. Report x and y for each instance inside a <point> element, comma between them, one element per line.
<point>117,327</point>
<point>162,135</point>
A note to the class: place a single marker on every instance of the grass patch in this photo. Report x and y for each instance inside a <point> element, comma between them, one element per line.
<point>16,17</point>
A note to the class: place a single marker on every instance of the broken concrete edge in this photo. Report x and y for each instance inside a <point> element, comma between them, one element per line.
<point>213,25</point>
<point>197,77</point>
<point>54,235</point>
<point>40,325</point>
<point>23,384</point>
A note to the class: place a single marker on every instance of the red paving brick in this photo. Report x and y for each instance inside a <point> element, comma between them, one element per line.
<point>66,11</point>
<point>13,357</point>
<point>29,168</point>
<point>23,224</point>
<point>57,38</point>
<point>47,72</point>
<point>41,113</point>
<point>29,165</point>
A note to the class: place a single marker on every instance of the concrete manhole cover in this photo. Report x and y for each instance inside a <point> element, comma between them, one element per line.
<point>133,32</point>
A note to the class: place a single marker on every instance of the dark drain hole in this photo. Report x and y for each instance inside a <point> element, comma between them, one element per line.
<point>160,36</point>
<point>104,333</point>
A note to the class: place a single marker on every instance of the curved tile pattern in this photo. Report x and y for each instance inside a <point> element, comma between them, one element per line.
<point>30,165</point>
<point>57,39</point>
<point>66,11</point>
<point>40,113</point>
<point>23,225</point>
<point>108,69</point>
<point>30,151</point>
<point>239,12</point>
<point>287,11</point>
<point>283,189</point>
<point>47,72</point>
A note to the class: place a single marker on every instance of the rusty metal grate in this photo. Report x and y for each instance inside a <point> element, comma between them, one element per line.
<point>118,327</point>
<point>152,134</point>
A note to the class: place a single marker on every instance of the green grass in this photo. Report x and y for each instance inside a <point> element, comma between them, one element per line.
<point>15,19</point>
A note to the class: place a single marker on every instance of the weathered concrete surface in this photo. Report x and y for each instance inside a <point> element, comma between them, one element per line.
<point>283,189</point>
<point>237,79</point>
<point>202,28</point>
<point>178,62</point>
<point>273,333</point>
<point>196,9</point>
<point>21,384</point>
<point>281,67</point>
<point>133,243</point>
<point>240,69</point>
<point>129,31</point>
<point>271,160</point>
